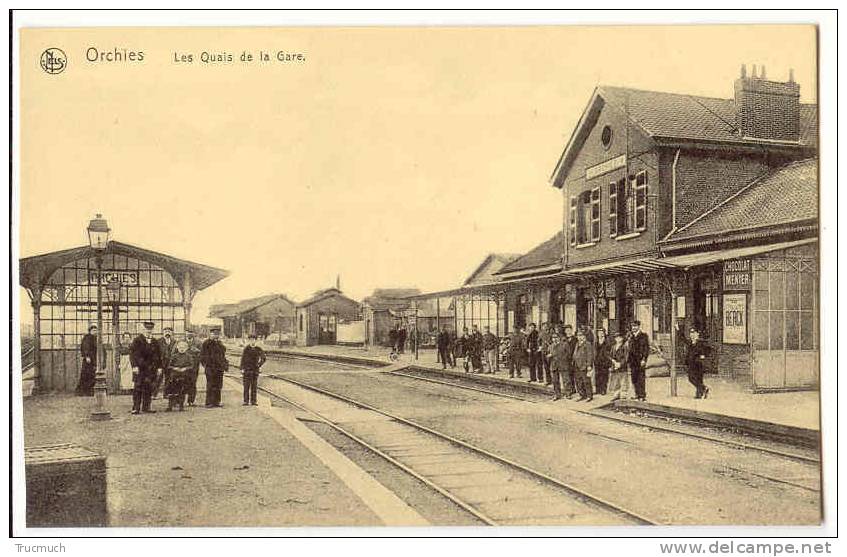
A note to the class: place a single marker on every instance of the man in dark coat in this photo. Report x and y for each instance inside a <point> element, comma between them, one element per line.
<point>536,372</point>
<point>583,364</point>
<point>695,358</point>
<point>392,338</point>
<point>213,358</point>
<point>88,367</point>
<point>639,350</point>
<point>443,344</point>
<point>559,354</point>
<point>490,344</point>
<point>517,349</point>
<point>146,361</point>
<point>545,337</point>
<point>191,377</point>
<point>568,376</point>
<point>252,360</point>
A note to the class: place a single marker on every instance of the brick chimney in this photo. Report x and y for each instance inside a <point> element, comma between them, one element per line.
<point>767,109</point>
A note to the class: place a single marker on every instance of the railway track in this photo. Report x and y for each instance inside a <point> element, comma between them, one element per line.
<point>492,488</point>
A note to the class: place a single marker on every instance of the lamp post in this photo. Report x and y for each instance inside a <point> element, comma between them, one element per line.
<point>98,239</point>
<point>113,293</point>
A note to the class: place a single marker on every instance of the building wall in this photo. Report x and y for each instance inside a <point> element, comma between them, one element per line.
<point>344,308</point>
<point>642,157</point>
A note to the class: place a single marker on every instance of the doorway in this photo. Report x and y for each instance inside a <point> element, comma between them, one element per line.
<point>327,326</point>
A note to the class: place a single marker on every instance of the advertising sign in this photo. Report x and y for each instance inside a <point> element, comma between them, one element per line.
<point>736,274</point>
<point>735,318</point>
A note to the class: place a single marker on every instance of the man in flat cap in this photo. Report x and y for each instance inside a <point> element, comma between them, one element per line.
<point>191,378</point>
<point>213,358</point>
<point>88,369</point>
<point>146,361</point>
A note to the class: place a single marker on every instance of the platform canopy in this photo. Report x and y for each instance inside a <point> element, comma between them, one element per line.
<point>35,270</point>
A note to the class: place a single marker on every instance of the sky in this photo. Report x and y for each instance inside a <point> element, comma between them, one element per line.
<point>393,157</point>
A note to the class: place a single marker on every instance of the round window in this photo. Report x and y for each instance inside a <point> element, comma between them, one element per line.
<point>606,136</point>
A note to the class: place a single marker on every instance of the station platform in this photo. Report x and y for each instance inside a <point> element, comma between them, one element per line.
<point>236,466</point>
<point>727,400</point>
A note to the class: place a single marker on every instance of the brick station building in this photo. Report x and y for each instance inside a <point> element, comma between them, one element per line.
<point>685,211</point>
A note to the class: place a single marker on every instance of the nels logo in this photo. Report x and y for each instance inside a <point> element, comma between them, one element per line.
<point>53,61</point>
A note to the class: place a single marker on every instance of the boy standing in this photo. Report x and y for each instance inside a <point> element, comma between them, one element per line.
<point>252,360</point>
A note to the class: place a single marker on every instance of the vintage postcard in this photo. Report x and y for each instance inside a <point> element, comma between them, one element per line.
<point>558,276</point>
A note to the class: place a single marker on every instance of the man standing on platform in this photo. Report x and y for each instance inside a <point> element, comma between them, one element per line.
<point>213,358</point>
<point>639,349</point>
<point>533,354</point>
<point>443,343</point>
<point>490,343</point>
<point>191,378</point>
<point>544,340</point>
<point>167,345</point>
<point>568,377</point>
<point>583,363</point>
<point>476,352</point>
<point>146,361</point>
<point>517,348</point>
<point>560,362</point>
<point>252,360</point>
<point>88,369</point>
<point>695,357</point>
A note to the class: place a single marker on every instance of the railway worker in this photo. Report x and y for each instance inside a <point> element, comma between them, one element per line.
<point>167,346</point>
<point>517,349</point>
<point>602,362</point>
<point>213,358</point>
<point>639,350</point>
<point>695,357</point>
<point>490,343</point>
<point>545,338</point>
<point>179,367</point>
<point>88,367</point>
<point>463,347</point>
<point>252,360</point>
<point>443,344</point>
<point>619,373</point>
<point>533,354</point>
<point>568,378</point>
<point>191,377</point>
<point>583,365</point>
<point>146,360</point>
<point>559,355</point>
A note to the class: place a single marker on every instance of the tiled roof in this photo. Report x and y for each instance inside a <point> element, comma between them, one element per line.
<point>230,310</point>
<point>672,115</point>
<point>545,254</point>
<point>492,263</point>
<point>322,294</point>
<point>390,298</point>
<point>786,195</point>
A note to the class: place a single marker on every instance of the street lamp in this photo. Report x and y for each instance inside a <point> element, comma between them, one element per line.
<point>98,239</point>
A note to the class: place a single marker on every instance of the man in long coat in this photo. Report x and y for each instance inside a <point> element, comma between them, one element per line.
<point>88,367</point>
<point>639,349</point>
<point>191,378</point>
<point>213,358</point>
<point>167,346</point>
<point>695,357</point>
<point>443,343</point>
<point>146,361</point>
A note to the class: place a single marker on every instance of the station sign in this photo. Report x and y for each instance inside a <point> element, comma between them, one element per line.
<point>126,278</point>
<point>736,274</point>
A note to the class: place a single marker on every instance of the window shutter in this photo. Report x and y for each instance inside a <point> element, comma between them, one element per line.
<point>573,220</point>
<point>613,209</point>
<point>595,215</point>
<point>641,201</point>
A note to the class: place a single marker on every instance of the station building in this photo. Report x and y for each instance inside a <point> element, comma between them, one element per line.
<point>684,211</point>
<point>272,314</point>
<point>62,286</point>
<point>319,317</point>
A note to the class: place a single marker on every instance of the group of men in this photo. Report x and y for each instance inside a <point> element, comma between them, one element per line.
<point>572,362</point>
<point>174,364</point>
<point>477,350</point>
